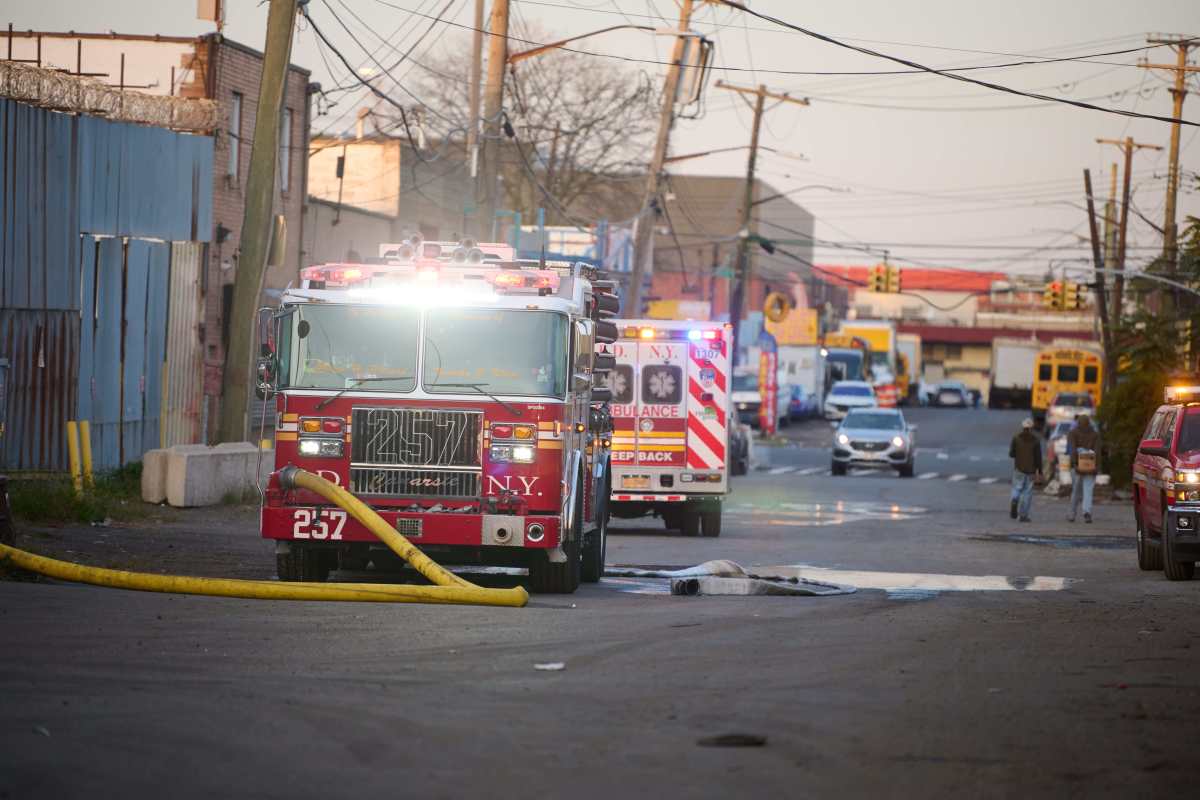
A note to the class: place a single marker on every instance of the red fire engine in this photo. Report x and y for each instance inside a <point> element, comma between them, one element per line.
<point>454,390</point>
<point>671,418</point>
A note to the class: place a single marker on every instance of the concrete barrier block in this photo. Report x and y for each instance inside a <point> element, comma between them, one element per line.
<point>154,476</point>
<point>198,475</point>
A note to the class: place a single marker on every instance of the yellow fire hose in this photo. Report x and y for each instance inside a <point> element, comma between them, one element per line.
<point>448,589</point>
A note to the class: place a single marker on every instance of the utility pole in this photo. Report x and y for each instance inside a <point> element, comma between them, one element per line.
<point>744,271</point>
<point>1101,294</point>
<point>1181,68</point>
<point>1128,147</point>
<point>493,105</point>
<point>256,221</point>
<point>473,125</point>
<point>644,230</point>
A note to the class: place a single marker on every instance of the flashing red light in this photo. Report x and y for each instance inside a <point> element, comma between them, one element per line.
<point>509,279</point>
<point>331,426</point>
<point>502,431</point>
<point>544,283</point>
<point>334,275</point>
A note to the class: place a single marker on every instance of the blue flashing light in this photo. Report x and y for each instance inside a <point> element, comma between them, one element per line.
<point>693,335</point>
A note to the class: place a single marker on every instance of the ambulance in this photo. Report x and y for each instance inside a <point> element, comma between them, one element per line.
<point>671,417</point>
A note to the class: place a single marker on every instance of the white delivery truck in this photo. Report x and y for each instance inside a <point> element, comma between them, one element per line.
<point>1013,361</point>
<point>909,346</point>
<point>808,373</point>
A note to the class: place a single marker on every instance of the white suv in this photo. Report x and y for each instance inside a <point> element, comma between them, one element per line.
<point>846,395</point>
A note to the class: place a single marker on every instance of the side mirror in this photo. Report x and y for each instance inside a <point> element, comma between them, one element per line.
<point>1152,447</point>
<point>265,377</point>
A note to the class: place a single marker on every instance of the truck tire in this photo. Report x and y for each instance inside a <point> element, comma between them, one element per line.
<point>710,523</point>
<point>672,520</point>
<point>689,523</point>
<point>907,470</point>
<point>838,468</point>
<point>1149,557</point>
<point>595,546</point>
<point>548,577</point>
<point>1174,570</point>
<point>302,563</point>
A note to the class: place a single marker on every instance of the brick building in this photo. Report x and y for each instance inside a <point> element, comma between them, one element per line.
<point>216,68</point>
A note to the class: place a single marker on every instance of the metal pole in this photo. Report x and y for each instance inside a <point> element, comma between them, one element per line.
<point>256,221</point>
<point>644,226</point>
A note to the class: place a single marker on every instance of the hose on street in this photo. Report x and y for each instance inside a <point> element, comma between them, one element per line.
<point>448,588</point>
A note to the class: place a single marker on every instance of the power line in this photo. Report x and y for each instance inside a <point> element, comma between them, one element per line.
<point>950,74</point>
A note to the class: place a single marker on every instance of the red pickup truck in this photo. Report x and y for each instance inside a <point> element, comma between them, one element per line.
<point>1166,480</point>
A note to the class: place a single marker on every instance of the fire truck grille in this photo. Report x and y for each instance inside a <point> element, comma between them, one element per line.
<point>416,437</point>
<point>400,482</point>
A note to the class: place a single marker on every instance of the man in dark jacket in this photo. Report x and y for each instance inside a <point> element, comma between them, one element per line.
<point>1083,441</point>
<point>1026,453</point>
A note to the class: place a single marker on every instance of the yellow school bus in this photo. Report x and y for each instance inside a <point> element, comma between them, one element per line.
<point>1065,369</point>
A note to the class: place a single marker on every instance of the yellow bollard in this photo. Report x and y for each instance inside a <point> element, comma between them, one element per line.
<point>73,455</point>
<point>85,448</point>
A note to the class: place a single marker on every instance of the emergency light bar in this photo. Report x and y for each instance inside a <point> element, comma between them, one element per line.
<point>428,271</point>
<point>1181,394</point>
<point>694,334</point>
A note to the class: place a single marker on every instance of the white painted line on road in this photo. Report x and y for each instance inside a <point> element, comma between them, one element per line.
<point>956,478</point>
<point>827,472</point>
<point>988,480</point>
<point>976,458</point>
<point>924,476</point>
<point>943,456</point>
<point>780,470</point>
<point>810,471</point>
<point>858,473</point>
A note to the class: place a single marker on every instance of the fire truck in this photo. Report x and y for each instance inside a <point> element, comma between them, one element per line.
<point>455,390</point>
<point>671,418</point>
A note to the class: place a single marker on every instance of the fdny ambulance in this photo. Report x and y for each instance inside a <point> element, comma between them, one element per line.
<point>671,416</point>
<point>456,391</point>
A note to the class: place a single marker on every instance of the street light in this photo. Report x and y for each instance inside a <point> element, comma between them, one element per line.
<point>800,189</point>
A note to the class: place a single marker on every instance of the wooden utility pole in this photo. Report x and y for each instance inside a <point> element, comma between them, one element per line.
<point>256,222</point>
<point>644,227</point>
<point>744,271</point>
<point>473,125</point>
<point>1127,146</point>
<point>1101,293</point>
<point>493,106</point>
<point>1181,68</point>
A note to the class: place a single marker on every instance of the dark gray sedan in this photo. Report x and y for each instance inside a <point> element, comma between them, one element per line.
<point>878,438</point>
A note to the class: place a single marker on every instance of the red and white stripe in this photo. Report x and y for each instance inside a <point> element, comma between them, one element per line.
<point>648,498</point>
<point>707,435</point>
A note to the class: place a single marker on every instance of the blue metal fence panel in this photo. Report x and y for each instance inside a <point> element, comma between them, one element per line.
<point>66,183</point>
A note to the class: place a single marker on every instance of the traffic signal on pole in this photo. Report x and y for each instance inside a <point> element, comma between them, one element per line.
<point>892,278</point>
<point>1052,295</point>
<point>1071,296</point>
<point>877,278</point>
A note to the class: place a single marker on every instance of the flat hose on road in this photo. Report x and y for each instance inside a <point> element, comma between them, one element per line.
<point>448,589</point>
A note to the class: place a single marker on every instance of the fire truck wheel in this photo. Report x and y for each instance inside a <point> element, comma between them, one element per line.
<point>1174,570</point>
<point>547,577</point>
<point>595,547</point>
<point>710,523</point>
<point>689,523</point>
<point>302,563</point>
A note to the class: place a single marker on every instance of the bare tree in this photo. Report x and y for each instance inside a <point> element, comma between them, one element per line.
<point>582,125</point>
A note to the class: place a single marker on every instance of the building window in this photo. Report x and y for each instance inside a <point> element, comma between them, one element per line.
<point>954,351</point>
<point>235,135</point>
<point>285,150</point>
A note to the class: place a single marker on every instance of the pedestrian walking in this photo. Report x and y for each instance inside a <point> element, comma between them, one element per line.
<point>1026,453</point>
<point>1083,444</point>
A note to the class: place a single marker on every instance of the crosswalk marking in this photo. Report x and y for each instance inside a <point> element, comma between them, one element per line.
<point>781,470</point>
<point>924,476</point>
<point>956,478</point>
<point>860,472</point>
<point>988,480</point>
<point>810,471</point>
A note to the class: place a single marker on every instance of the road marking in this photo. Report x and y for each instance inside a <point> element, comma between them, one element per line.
<point>780,470</point>
<point>858,473</point>
<point>988,480</point>
<point>924,476</point>
<point>827,472</point>
<point>976,458</point>
<point>943,456</point>
<point>956,478</point>
<point>810,471</point>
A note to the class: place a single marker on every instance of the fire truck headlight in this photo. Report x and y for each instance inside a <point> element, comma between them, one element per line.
<point>321,448</point>
<point>522,454</point>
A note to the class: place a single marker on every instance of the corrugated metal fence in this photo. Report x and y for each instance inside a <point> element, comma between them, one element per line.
<point>88,211</point>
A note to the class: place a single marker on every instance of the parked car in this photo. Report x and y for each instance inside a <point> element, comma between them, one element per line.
<point>1166,487</point>
<point>1066,406</point>
<point>874,437</point>
<point>952,393</point>
<point>846,395</point>
<point>747,400</point>
<point>739,450</point>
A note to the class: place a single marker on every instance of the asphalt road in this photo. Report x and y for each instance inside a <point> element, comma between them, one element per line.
<point>979,657</point>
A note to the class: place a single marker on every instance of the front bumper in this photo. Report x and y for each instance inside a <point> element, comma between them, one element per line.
<point>1183,522</point>
<point>326,524</point>
<point>884,459</point>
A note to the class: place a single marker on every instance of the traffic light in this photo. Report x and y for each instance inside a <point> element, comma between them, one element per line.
<point>877,278</point>
<point>892,278</point>
<point>1052,295</point>
<point>1072,298</point>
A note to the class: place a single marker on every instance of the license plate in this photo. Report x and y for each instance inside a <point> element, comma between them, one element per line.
<point>869,456</point>
<point>635,482</point>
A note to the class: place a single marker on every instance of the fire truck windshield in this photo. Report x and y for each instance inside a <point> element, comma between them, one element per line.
<point>509,352</point>
<point>361,347</point>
